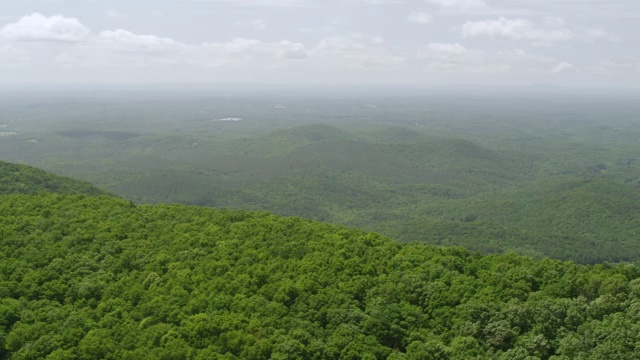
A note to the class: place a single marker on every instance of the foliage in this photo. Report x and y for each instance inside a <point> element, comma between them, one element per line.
<point>99,277</point>
<point>544,176</point>
<point>15,178</point>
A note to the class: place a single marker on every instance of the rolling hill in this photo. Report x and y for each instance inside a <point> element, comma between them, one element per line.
<point>23,179</point>
<point>86,277</point>
<point>409,186</point>
<point>564,191</point>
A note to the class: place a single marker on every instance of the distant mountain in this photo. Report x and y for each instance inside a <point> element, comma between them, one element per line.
<point>23,179</point>
<point>410,186</point>
<point>571,197</point>
<point>564,217</point>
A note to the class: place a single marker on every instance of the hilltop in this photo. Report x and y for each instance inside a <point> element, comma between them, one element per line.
<point>23,179</point>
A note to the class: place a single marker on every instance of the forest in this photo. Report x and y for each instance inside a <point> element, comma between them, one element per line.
<point>22,179</point>
<point>92,276</point>
<point>240,227</point>
<point>553,175</point>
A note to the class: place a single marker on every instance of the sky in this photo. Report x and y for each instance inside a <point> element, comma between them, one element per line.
<point>364,42</point>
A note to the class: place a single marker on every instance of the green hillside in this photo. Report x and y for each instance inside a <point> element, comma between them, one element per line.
<point>100,278</point>
<point>567,190</point>
<point>565,217</point>
<point>410,186</point>
<point>23,179</point>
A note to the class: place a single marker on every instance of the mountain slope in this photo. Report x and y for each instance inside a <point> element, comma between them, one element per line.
<point>98,277</point>
<point>23,179</point>
<point>563,217</point>
<point>405,184</point>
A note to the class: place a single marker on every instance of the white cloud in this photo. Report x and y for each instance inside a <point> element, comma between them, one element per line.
<point>304,3</point>
<point>456,58</point>
<point>562,67</point>
<point>354,51</point>
<point>515,29</point>
<point>126,37</point>
<point>37,27</point>
<point>291,50</point>
<point>589,9</point>
<point>248,52</point>
<point>446,50</point>
<point>124,49</point>
<point>327,49</point>
<point>480,8</point>
<point>379,2</point>
<point>460,4</point>
<point>419,17</point>
<point>263,3</point>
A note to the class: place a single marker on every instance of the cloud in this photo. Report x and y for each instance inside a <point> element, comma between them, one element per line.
<point>445,50</point>
<point>354,51</point>
<point>480,7</point>
<point>419,17</point>
<point>247,52</point>
<point>303,3</point>
<point>379,2</point>
<point>126,37</point>
<point>515,29</point>
<point>456,58</point>
<point>291,50</point>
<point>460,4</point>
<point>330,52</point>
<point>262,3</point>
<point>477,7</point>
<point>562,67</point>
<point>37,27</point>
<point>586,8</point>
<point>124,49</point>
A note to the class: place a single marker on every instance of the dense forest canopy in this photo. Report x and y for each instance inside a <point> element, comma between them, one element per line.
<point>87,277</point>
<point>22,179</point>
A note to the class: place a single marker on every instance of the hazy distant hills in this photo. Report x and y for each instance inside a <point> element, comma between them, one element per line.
<point>410,186</point>
<point>406,184</point>
<point>323,151</point>
<point>543,184</point>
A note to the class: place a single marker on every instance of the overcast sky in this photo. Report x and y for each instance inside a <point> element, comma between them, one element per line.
<point>423,42</point>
